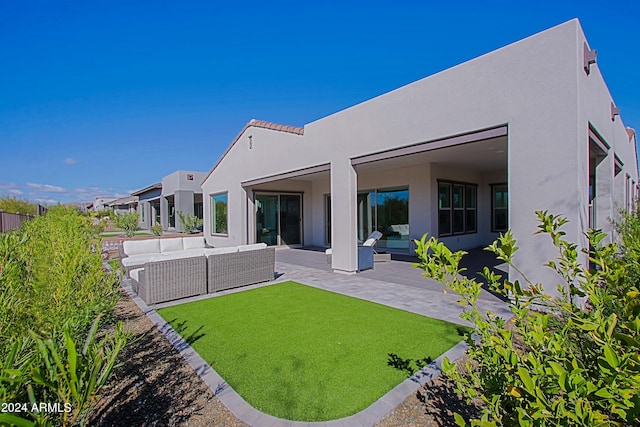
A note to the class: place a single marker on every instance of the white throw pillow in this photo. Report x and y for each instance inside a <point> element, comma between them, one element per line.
<point>193,242</point>
<point>170,245</point>
<point>139,247</point>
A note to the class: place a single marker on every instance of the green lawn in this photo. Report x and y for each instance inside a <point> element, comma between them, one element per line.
<point>305,354</point>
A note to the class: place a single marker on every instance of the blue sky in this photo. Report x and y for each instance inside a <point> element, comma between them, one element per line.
<point>101,98</point>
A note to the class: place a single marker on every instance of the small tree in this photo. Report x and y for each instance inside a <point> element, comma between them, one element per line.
<point>189,222</point>
<point>128,222</point>
<point>156,229</point>
<point>566,366</point>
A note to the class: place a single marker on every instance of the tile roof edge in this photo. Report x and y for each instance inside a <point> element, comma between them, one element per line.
<point>259,124</point>
<point>274,126</point>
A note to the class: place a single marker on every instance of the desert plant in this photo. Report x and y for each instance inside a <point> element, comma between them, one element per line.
<point>72,377</point>
<point>127,222</point>
<point>54,370</point>
<point>156,229</point>
<point>52,288</point>
<point>568,365</point>
<point>61,279</point>
<point>189,222</point>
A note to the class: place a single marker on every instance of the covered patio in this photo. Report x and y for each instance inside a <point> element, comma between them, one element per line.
<point>399,273</point>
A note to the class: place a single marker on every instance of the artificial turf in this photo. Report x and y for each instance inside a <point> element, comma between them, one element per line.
<point>305,354</point>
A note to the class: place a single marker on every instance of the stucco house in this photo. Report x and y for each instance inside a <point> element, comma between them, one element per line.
<point>124,205</point>
<point>160,203</point>
<point>463,155</point>
<point>101,203</point>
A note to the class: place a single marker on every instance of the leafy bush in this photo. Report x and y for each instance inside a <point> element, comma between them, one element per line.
<point>52,291</point>
<point>127,222</point>
<point>189,222</point>
<point>16,205</point>
<point>57,276</point>
<point>156,229</point>
<point>567,365</point>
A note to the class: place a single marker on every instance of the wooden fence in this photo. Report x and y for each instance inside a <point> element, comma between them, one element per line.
<point>11,221</point>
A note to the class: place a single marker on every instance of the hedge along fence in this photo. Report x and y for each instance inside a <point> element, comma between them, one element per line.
<point>53,291</point>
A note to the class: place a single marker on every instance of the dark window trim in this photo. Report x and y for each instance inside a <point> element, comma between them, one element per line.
<point>493,208</point>
<point>451,209</point>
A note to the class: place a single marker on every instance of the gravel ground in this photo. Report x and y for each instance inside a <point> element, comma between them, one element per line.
<point>154,386</point>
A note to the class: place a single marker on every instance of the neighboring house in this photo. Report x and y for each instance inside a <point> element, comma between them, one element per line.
<point>149,205</point>
<point>101,203</point>
<point>462,155</point>
<point>161,202</point>
<point>125,205</point>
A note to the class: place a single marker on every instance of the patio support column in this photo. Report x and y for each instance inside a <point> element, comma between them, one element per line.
<point>250,210</point>
<point>164,212</point>
<point>344,189</point>
<point>183,200</point>
<point>144,214</point>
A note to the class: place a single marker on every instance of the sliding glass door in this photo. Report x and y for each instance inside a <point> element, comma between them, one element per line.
<point>279,219</point>
<point>385,210</point>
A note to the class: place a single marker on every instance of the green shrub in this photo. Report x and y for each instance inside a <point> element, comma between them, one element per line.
<point>52,289</point>
<point>127,222</point>
<point>189,222</point>
<point>61,279</point>
<point>156,229</point>
<point>16,205</point>
<point>55,370</point>
<point>73,376</point>
<point>567,365</point>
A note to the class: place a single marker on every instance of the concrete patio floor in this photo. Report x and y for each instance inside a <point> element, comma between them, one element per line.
<point>396,283</point>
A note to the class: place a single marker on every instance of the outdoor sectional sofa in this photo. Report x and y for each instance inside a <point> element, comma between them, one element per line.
<point>161,271</point>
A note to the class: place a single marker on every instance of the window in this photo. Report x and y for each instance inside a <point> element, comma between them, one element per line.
<point>219,214</point>
<point>457,208</point>
<point>142,211</point>
<point>499,207</point>
<point>189,177</point>
<point>384,210</point>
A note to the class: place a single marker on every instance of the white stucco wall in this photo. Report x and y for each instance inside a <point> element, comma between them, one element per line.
<point>177,181</point>
<point>536,87</point>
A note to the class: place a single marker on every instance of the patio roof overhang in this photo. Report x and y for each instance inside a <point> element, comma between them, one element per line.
<point>308,174</point>
<point>482,151</point>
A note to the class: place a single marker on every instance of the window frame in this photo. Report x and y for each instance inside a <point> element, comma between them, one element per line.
<point>452,208</point>
<point>212,197</point>
<point>494,208</point>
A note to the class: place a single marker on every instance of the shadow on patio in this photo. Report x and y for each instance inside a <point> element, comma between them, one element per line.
<point>400,270</point>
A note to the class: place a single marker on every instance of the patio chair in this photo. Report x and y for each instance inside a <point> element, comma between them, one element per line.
<point>363,254</point>
<point>371,241</point>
